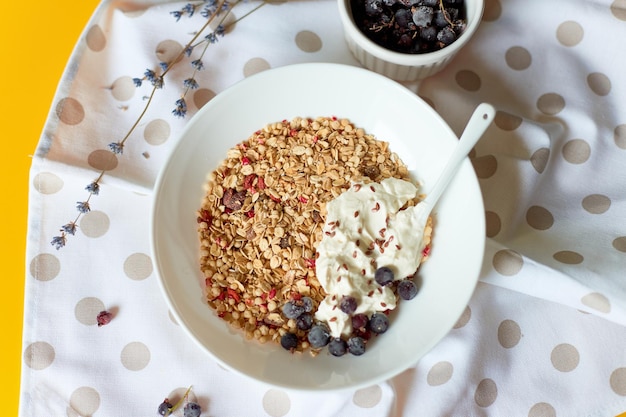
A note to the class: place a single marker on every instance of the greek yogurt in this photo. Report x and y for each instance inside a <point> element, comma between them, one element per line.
<point>364,230</point>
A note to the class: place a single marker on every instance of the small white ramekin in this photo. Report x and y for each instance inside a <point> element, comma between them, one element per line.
<point>401,66</point>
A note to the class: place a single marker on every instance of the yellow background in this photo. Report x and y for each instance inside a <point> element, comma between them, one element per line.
<point>37,41</point>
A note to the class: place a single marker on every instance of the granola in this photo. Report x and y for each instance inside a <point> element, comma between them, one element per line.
<point>263,213</point>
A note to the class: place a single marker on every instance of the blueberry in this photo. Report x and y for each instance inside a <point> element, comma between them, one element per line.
<point>379,323</point>
<point>384,276</point>
<point>407,289</point>
<point>348,304</point>
<point>429,33</point>
<point>164,407</point>
<point>307,304</point>
<point>446,35</point>
<point>291,310</point>
<point>423,16</point>
<point>289,341</point>
<point>304,322</point>
<point>403,17</point>
<point>356,345</point>
<point>429,3</point>
<point>192,410</point>
<point>373,7</point>
<point>337,347</point>
<point>359,321</point>
<point>318,336</point>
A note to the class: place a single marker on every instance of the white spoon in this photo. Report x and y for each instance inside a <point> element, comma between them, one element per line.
<point>479,122</point>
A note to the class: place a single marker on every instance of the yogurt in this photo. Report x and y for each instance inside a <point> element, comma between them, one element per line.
<point>365,229</point>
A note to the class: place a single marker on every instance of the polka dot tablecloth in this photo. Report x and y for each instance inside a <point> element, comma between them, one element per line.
<point>544,334</point>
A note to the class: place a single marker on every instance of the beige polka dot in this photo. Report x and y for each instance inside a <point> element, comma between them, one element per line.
<point>568,257</point>
<point>618,8</point>
<point>493,224</point>
<point>485,166</point>
<point>620,244</point>
<point>367,397</point>
<point>597,301</point>
<point>440,373</point>
<point>551,103</point>
<point>169,51</point>
<point>599,83</point>
<point>468,80</point>
<point>102,160</point>
<point>157,132</point>
<point>202,96</point>
<point>507,262</point>
<point>135,356</point>
<point>618,381</point>
<point>86,310</point>
<point>539,218</point>
<point>276,403</point>
<point>308,41</point>
<point>464,319</point>
<point>509,334</point>
<point>96,41</point>
<point>596,203</point>
<point>486,393</point>
<point>507,121</point>
<point>39,355</point>
<point>569,33</point>
<point>518,58</point>
<point>619,135</point>
<point>565,357</point>
<point>138,266</point>
<point>254,66</point>
<point>493,10</point>
<point>45,267</point>
<point>70,111</point>
<point>542,410</point>
<point>576,151</point>
<point>123,88</point>
<point>133,10</point>
<point>85,400</point>
<point>47,183</point>
<point>94,224</point>
<point>539,159</point>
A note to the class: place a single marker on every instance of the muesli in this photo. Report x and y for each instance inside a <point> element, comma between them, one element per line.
<point>264,214</point>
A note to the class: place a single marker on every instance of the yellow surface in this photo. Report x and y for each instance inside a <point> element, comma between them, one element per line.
<point>37,40</point>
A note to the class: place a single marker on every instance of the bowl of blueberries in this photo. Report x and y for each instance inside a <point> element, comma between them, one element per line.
<point>408,40</point>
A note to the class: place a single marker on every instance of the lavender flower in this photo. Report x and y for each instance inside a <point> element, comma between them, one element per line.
<point>116,147</point>
<point>58,241</point>
<point>197,64</point>
<point>181,108</point>
<point>137,82</point>
<point>69,228</point>
<point>83,207</point>
<point>163,65</point>
<point>93,188</point>
<point>177,14</point>
<point>191,83</point>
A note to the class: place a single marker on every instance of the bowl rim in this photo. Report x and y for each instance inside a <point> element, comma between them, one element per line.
<point>160,207</point>
<point>399,58</point>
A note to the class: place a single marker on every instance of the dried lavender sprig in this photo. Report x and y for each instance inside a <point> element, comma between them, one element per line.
<point>158,82</point>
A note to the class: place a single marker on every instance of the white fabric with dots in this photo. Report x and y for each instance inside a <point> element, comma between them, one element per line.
<point>543,335</point>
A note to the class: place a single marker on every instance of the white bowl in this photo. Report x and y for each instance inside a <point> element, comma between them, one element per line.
<point>403,66</point>
<point>390,112</point>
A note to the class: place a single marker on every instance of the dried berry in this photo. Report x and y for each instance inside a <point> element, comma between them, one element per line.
<point>104,318</point>
<point>233,199</point>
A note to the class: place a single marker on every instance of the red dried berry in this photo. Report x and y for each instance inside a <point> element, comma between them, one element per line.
<point>104,318</point>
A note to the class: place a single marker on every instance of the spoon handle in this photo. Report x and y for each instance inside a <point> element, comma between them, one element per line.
<point>479,122</point>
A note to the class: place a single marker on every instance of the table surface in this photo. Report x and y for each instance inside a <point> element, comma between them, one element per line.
<point>24,33</point>
<point>35,94</point>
